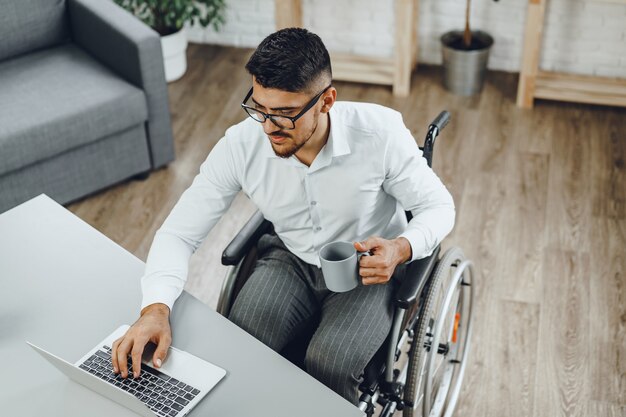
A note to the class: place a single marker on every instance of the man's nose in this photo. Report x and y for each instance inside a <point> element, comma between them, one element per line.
<point>268,126</point>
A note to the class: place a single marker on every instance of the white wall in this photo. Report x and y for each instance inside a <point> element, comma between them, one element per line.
<point>580,36</point>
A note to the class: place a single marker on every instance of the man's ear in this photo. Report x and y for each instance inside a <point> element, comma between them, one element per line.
<point>328,99</point>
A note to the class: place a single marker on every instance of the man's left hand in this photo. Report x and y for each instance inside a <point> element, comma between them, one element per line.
<point>385,256</point>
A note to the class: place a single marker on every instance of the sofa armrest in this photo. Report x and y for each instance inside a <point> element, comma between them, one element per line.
<point>132,50</point>
<point>417,273</point>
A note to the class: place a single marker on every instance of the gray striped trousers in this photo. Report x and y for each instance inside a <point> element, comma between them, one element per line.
<point>284,294</point>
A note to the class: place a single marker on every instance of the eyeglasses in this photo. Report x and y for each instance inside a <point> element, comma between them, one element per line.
<point>283,122</point>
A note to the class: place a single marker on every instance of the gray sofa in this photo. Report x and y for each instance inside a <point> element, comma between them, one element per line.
<point>83,99</point>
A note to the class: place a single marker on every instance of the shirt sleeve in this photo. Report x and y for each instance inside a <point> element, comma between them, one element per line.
<point>417,188</point>
<point>192,218</point>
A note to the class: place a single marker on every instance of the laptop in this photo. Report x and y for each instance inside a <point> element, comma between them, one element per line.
<point>172,390</point>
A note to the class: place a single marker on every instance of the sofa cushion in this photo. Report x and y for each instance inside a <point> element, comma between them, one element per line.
<point>58,99</point>
<point>28,25</point>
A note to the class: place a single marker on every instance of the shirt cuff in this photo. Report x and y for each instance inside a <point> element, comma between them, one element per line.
<point>164,294</point>
<point>418,244</point>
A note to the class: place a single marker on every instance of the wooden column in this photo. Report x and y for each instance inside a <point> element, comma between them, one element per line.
<point>288,13</point>
<point>405,46</point>
<point>414,33</point>
<point>530,57</point>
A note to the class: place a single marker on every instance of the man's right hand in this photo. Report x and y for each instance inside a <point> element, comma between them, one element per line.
<point>153,326</point>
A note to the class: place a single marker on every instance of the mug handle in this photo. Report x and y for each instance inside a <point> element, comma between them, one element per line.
<point>359,255</point>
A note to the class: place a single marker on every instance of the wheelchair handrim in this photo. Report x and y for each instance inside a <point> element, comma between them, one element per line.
<point>444,397</point>
<point>444,278</point>
<point>456,389</point>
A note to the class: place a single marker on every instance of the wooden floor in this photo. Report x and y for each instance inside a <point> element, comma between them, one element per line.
<point>541,209</point>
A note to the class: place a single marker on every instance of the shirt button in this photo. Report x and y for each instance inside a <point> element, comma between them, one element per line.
<point>313,203</point>
<point>317,229</point>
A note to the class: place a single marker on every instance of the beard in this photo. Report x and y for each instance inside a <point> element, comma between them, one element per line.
<point>291,145</point>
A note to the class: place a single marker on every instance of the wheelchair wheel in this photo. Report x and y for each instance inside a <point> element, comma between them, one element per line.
<point>441,341</point>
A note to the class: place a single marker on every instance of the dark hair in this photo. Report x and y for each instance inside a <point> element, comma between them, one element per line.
<point>291,59</point>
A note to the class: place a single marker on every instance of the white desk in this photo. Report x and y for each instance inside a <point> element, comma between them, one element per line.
<point>64,286</point>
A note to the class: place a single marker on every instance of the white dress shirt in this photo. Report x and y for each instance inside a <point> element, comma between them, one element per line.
<point>358,186</point>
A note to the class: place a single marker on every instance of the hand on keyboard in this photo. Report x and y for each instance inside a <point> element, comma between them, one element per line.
<point>164,395</point>
<point>152,326</point>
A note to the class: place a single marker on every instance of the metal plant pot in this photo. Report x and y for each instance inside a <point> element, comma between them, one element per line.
<point>464,68</point>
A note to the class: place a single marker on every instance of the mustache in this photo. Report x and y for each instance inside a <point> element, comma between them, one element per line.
<point>280,133</point>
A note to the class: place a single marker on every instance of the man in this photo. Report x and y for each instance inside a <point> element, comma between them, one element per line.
<point>320,171</point>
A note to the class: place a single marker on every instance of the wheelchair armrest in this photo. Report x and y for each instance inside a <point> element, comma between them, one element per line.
<point>417,273</point>
<point>247,236</point>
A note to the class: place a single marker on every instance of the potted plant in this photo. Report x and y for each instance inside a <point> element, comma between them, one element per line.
<point>465,56</point>
<point>168,18</point>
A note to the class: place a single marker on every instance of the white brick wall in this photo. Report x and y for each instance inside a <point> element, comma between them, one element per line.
<point>580,36</point>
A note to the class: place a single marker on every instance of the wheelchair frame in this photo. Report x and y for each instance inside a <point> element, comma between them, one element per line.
<point>422,305</point>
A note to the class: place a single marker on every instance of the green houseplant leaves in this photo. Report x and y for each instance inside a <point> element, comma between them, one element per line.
<point>169,16</point>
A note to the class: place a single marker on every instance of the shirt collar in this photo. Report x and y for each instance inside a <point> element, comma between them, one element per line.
<point>338,136</point>
<point>266,147</point>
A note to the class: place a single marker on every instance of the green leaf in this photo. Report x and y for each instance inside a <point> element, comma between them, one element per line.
<point>164,15</point>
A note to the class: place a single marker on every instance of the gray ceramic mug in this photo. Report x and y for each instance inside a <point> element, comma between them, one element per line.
<point>340,265</point>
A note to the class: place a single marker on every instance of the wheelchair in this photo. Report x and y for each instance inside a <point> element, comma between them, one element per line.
<point>420,366</point>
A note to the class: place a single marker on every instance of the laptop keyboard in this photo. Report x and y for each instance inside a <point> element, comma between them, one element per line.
<point>164,395</point>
